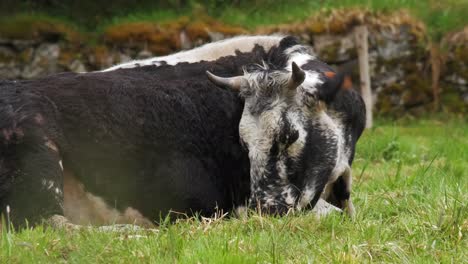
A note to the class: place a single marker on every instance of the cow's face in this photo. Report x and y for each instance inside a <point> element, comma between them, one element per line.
<point>274,128</point>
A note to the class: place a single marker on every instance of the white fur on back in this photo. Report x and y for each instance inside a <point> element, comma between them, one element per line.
<point>207,52</point>
<point>297,54</point>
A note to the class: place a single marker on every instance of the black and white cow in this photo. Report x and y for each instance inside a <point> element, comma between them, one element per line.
<point>139,145</point>
<point>344,105</point>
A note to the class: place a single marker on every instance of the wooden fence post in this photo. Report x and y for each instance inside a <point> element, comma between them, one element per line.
<point>360,34</point>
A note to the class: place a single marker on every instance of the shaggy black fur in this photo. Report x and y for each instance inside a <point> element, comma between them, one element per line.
<point>132,139</point>
<point>139,137</point>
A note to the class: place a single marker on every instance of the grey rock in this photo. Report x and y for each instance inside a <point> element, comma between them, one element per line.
<point>144,54</point>
<point>391,45</point>
<point>44,61</point>
<point>215,36</point>
<point>124,58</point>
<point>10,70</point>
<point>77,66</point>
<point>343,44</point>
<point>454,78</point>
<point>9,66</point>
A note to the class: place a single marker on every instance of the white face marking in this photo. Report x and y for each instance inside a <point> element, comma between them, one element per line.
<point>61,165</point>
<point>258,133</point>
<point>306,196</point>
<point>296,148</point>
<point>207,52</point>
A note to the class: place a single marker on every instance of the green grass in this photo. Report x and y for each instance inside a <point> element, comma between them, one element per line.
<point>410,191</point>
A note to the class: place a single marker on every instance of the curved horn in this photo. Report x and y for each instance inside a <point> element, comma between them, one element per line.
<point>297,76</point>
<point>234,83</point>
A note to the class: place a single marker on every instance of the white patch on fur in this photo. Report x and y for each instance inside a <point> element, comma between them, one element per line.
<point>311,81</point>
<point>48,184</point>
<point>296,148</point>
<point>307,89</point>
<point>289,198</point>
<point>327,190</point>
<point>296,54</point>
<point>61,164</point>
<point>306,196</point>
<point>270,200</point>
<point>207,52</point>
<point>51,145</point>
<point>281,168</point>
<point>333,126</point>
<point>300,57</point>
<point>322,208</point>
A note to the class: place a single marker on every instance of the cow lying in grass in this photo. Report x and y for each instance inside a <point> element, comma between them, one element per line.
<point>141,144</point>
<point>235,53</point>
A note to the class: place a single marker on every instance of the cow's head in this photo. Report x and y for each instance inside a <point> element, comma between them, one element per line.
<point>275,126</point>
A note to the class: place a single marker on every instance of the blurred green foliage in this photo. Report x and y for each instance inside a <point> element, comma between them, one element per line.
<point>439,16</point>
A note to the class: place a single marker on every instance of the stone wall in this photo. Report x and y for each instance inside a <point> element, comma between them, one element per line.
<point>399,59</point>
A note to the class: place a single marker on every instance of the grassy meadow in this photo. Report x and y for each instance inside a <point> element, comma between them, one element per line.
<point>410,192</point>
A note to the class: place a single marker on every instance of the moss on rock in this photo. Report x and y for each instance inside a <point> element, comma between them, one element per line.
<point>30,27</point>
<point>164,38</point>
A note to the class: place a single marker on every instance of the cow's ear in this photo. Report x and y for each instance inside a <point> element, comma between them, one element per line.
<point>297,77</point>
<point>332,84</point>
